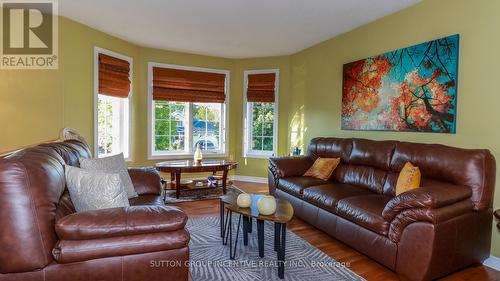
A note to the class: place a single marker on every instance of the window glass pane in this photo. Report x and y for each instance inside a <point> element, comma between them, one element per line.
<point>267,144</point>
<point>206,125</point>
<point>268,111</point>
<point>262,126</point>
<point>169,126</point>
<point>161,128</point>
<point>109,126</point>
<point>257,143</point>
<point>267,129</point>
<point>162,143</point>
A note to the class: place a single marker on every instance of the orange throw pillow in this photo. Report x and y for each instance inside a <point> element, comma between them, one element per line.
<point>323,168</point>
<point>408,179</point>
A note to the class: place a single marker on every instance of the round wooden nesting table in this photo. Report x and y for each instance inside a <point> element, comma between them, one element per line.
<point>283,214</point>
<point>177,167</point>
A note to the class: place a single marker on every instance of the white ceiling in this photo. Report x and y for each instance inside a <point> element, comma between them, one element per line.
<point>228,28</point>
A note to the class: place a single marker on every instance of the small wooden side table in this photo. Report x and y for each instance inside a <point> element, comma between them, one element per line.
<point>177,167</point>
<point>283,215</point>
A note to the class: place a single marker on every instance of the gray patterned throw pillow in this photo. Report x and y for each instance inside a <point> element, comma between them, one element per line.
<point>94,190</point>
<point>112,164</point>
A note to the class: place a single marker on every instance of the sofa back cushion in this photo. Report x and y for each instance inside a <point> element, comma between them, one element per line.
<point>330,148</point>
<point>71,151</point>
<point>31,184</point>
<point>376,165</point>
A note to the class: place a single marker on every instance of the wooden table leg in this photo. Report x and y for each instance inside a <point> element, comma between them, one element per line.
<point>245,230</point>
<point>221,218</point>
<point>260,237</point>
<point>177,185</point>
<point>281,252</point>
<point>224,180</point>
<point>277,236</point>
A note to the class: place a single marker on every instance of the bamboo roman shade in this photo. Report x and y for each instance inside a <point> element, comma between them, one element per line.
<point>261,87</point>
<point>188,86</point>
<point>114,77</point>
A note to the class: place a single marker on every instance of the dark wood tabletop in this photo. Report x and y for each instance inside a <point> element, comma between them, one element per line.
<point>191,166</point>
<point>283,214</point>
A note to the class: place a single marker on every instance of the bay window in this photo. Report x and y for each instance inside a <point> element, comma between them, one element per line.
<point>188,107</point>
<point>261,108</point>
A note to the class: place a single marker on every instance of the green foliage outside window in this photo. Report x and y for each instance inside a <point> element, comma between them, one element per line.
<point>262,126</point>
<point>169,119</point>
<point>105,126</point>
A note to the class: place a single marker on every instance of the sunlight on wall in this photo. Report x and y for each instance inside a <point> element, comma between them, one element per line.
<point>297,130</point>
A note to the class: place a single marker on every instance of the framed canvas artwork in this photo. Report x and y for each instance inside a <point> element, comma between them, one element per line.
<point>410,89</point>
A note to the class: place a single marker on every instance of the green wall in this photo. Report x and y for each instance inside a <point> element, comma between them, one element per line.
<point>315,107</point>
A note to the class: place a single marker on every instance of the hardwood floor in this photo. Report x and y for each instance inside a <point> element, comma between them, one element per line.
<point>359,263</point>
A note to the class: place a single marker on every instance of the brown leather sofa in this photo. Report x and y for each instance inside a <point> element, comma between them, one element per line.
<point>43,238</point>
<point>422,234</point>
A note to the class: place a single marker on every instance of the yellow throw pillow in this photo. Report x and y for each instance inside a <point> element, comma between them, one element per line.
<point>408,179</point>
<point>323,168</point>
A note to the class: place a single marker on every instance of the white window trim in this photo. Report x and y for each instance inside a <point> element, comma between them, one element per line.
<point>247,152</point>
<point>128,141</point>
<point>224,118</point>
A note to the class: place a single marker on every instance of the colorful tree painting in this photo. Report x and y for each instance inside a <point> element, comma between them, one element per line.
<point>410,89</point>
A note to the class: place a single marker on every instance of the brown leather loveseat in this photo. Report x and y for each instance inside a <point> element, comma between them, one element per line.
<point>42,238</point>
<point>423,234</point>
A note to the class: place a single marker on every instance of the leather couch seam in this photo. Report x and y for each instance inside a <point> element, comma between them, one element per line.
<point>34,211</point>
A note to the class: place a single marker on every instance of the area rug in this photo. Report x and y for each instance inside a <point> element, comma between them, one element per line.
<point>199,194</point>
<point>209,259</point>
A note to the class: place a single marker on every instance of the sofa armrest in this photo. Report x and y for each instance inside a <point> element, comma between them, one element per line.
<point>70,251</point>
<point>433,216</point>
<point>282,167</point>
<point>146,180</point>
<point>434,195</point>
<point>120,222</point>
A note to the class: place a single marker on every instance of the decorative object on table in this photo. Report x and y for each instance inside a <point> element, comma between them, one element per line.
<point>72,134</point>
<point>198,156</point>
<point>244,200</point>
<point>112,164</point>
<point>410,89</point>
<point>296,151</point>
<point>196,194</point>
<point>95,190</point>
<point>177,167</point>
<point>266,205</point>
<point>213,181</point>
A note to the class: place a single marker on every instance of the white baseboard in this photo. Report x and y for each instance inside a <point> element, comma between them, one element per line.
<point>248,178</point>
<point>493,262</point>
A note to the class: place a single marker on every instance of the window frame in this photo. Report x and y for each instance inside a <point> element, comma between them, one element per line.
<point>125,112</point>
<point>189,150</point>
<point>248,152</point>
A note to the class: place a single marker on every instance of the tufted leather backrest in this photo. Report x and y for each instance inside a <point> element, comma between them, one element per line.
<point>32,184</point>
<point>376,165</point>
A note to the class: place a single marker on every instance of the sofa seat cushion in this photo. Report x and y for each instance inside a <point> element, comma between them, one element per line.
<point>296,185</point>
<point>146,200</point>
<point>326,196</point>
<point>366,211</point>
